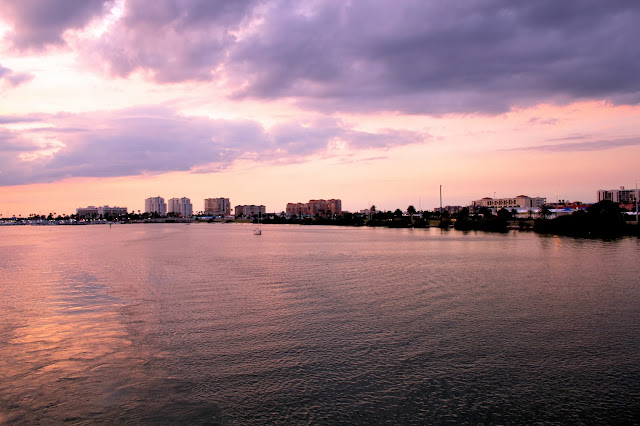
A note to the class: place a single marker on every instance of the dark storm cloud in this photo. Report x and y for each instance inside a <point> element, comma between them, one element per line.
<point>416,56</point>
<point>37,24</point>
<point>443,56</point>
<point>156,140</point>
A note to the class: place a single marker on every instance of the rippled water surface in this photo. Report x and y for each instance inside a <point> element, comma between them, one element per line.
<point>208,323</point>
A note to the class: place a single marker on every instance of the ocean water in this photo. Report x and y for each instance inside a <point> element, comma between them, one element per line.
<point>210,324</point>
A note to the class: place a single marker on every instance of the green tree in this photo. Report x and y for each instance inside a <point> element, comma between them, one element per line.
<point>464,213</point>
<point>411,210</point>
<point>544,211</point>
<point>504,214</point>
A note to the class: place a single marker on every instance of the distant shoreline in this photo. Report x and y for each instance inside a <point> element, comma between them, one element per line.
<point>539,227</point>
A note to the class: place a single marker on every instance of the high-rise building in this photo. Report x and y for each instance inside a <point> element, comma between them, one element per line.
<point>315,207</point>
<point>620,196</point>
<point>298,209</point>
<point>155,205</point>
<point>217,207</point>
<point>180,207</point>
<point>250,211</point>
<point>335,206</point>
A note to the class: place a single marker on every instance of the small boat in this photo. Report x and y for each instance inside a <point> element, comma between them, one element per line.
<point>257,230</point>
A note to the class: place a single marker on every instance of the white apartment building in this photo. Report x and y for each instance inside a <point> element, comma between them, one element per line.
<point>620,196</point>
<point>155,205</point>
<point>181,206</point>
<point>520,201</point>
<point>217,207</point>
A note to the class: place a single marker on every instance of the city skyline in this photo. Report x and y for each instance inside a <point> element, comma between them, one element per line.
<point>222,206</point>
<point>106,102</point>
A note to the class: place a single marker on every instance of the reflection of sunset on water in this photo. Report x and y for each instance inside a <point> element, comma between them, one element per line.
<point>166,323</point>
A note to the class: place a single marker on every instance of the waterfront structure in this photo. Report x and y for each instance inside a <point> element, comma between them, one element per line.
<point>100,211</point>
<point>250,210</point>
<point>518,202</point>
<point>217,207</point>
<point>155,205</point>
<point>106,211</point>
<point>448,209</point>
<point>298,209</point>
<point>87,212</point>
<point>315,207</point>
<point>620,196</point>
<point>180,207</point>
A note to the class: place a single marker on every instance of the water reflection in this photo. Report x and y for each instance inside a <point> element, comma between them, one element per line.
<point>206,323</point>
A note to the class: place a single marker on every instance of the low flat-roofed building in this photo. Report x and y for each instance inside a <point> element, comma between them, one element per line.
<point>100,211</point>
<point>449,209</point>
<point>520,201</point>
<point>87,212</point>
<point>105,211</point>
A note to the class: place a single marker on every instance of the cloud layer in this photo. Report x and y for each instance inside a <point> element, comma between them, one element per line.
<point>434,57</point>
<point>443,56</point>
<point>12,78</point>
<point>590,145</point>
<point>38,24</point>
<point>156,140</point>
<point>334,58</point>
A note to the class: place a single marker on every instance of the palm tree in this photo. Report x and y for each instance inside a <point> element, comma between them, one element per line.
<point>544,211</point>
<point>411,210</point>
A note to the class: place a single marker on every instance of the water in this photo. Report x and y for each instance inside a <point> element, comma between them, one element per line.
<point>208,323</point>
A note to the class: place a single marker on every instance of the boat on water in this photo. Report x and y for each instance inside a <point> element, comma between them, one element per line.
<point>257,230</point>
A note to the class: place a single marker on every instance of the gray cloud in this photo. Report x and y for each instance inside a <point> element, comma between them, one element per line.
<point>13,142</point>
<point>443,56</point>
<point>415,56</point>
<point>9,119</point>
<point>13,78</point>
<point>156,140</point>
<point>38,24</point>
<point>537,121</point>
<point>593,145</point>
<point>172,39</point>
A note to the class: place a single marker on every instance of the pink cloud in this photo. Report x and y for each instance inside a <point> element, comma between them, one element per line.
<point>157,140</point>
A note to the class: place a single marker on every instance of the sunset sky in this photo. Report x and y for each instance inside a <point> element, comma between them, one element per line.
<point>268,102</point>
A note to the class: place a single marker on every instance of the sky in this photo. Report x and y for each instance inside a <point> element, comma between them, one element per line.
<point>109,102</point>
